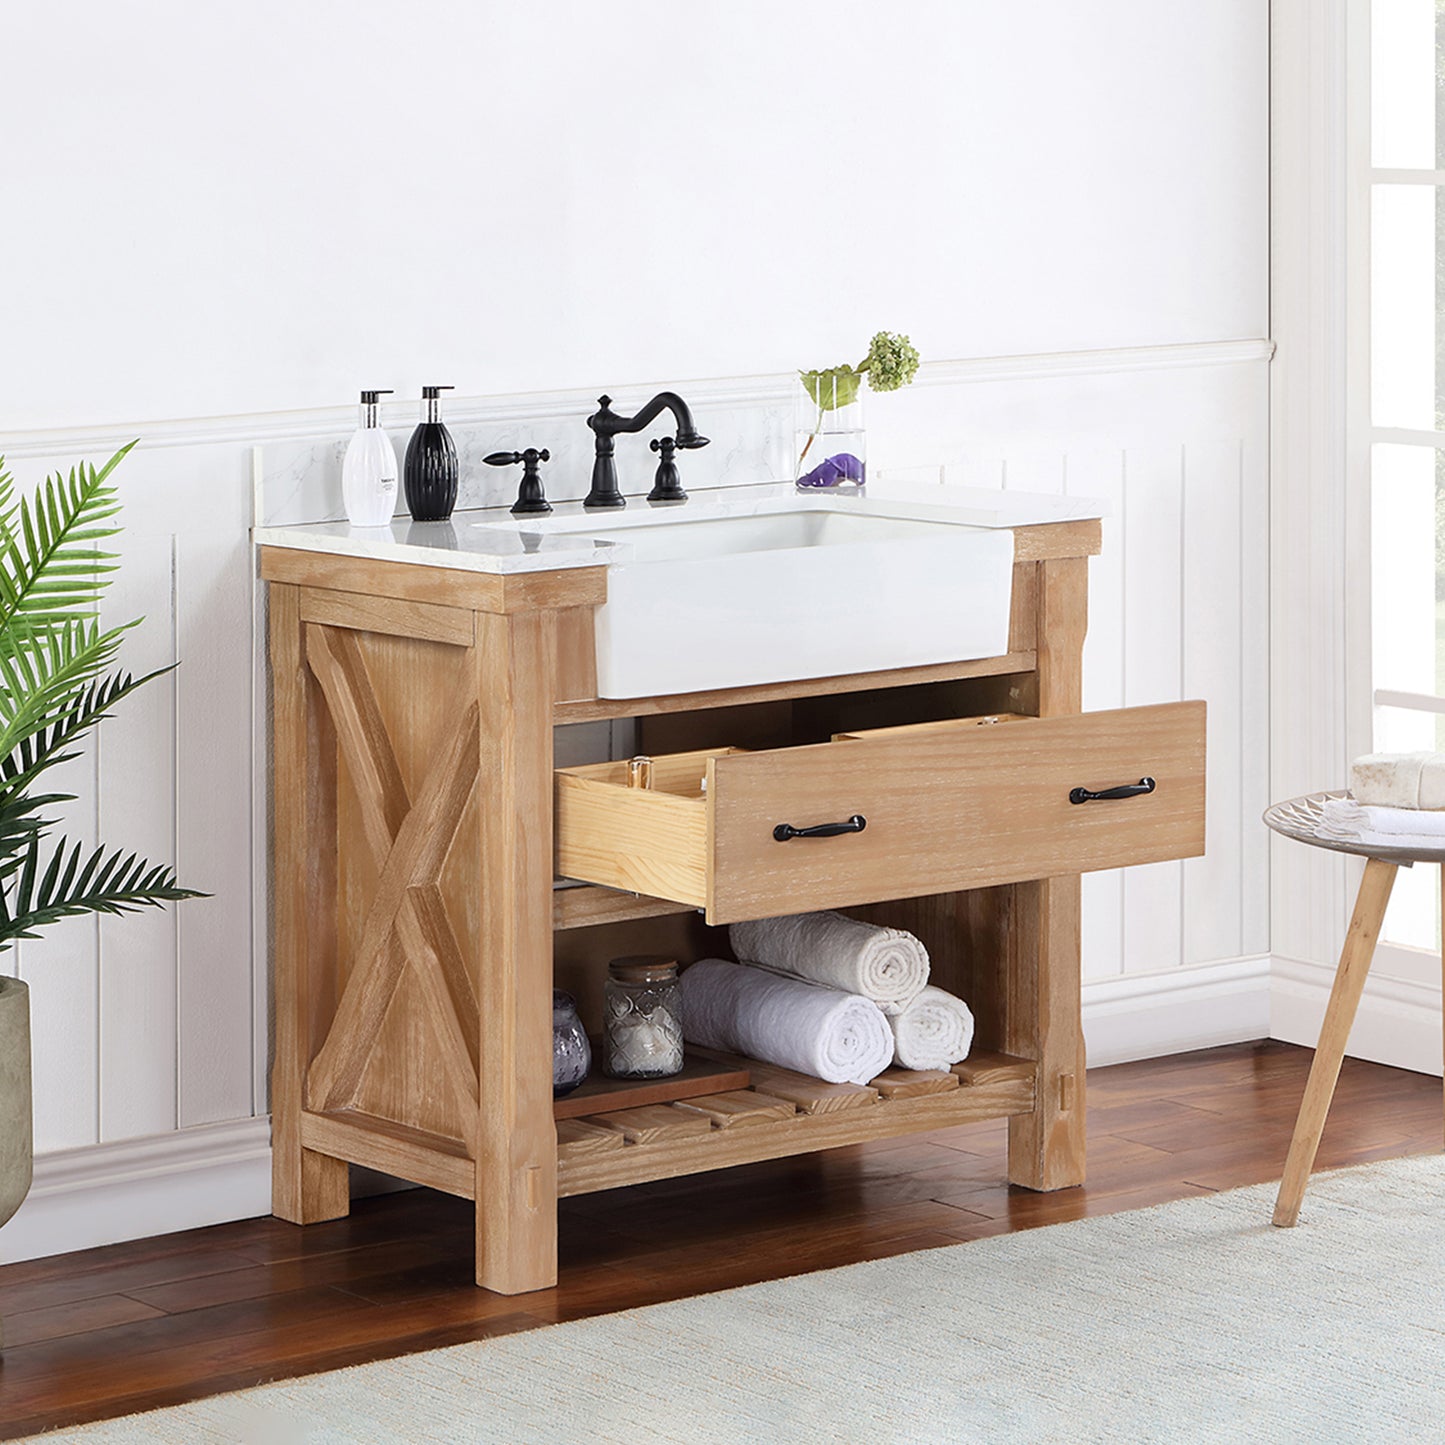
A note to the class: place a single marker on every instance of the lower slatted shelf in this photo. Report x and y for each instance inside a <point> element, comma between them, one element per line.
<point>784,1113</point>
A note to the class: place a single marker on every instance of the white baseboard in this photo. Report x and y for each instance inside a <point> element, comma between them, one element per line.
<point>219,1172</point>
<point>1398,1022</point>
<point>139,1187</point>
<point>1142,1016</point>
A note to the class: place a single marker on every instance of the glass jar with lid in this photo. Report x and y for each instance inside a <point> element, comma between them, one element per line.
<point>642,1028</point>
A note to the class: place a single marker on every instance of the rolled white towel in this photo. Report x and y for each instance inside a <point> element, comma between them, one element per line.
<point>1349,821</point>
<point>935,1031</point>
<point>886,965</point>
<point>835,1036</point>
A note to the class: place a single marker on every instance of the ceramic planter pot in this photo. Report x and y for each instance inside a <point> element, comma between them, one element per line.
<point>15,1138</point>
<point>16,1144</point>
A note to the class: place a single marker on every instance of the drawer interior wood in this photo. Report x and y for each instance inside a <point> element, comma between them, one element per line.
<point>641,840</point>
<point>993,719</point>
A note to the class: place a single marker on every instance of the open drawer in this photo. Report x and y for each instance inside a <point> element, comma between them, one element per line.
<point>896,813</point>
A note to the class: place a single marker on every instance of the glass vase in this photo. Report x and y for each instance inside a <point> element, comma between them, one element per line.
<point>832,446</point>
<point>642,1032</point>
<point>571,1051</point>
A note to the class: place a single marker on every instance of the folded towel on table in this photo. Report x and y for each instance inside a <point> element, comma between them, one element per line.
<point>1399,780</point>
<point>838,1037</point>
<point>886,965</point>
<point>935,1031</point>
<point>1351,822</point>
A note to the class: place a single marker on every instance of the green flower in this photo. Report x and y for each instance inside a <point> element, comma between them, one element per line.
<point>892,361</point>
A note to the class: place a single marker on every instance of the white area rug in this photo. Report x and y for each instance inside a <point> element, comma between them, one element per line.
<point>1189,1322</point>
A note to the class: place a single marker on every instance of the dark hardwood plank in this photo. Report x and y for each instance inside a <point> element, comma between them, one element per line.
<point>119,1277</point>
<point>129,1327</point>
<point>54,1322</point>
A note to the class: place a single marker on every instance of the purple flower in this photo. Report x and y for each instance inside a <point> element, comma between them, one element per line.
<point>844,467</point>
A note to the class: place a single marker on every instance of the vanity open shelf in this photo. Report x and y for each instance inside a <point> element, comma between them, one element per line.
<point>788,1113</point>
<point>421,825</point>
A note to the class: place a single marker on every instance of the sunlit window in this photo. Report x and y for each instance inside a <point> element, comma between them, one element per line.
<point>1407,405</point>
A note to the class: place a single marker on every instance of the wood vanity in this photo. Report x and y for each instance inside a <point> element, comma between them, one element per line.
<point>419,823</point>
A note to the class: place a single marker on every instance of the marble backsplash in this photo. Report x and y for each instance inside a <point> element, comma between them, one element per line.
<point>751,427</point>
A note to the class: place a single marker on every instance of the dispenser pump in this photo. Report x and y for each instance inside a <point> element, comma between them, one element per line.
<point>431,401</point>
<point>370,403</point>
<point>430,470</point>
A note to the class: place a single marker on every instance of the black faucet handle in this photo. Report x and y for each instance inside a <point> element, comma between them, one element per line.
<point>510,459</point>
<point>666,486</point>
<point>530,498</point>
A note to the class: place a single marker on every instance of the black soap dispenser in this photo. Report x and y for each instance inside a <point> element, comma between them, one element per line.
<point>431,463</point>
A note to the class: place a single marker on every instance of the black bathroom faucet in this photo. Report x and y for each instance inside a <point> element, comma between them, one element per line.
<point>606,424</point>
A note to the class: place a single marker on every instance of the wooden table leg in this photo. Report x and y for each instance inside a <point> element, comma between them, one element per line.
<point>1350,977</point>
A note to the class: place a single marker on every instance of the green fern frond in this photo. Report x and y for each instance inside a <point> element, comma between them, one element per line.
<point>87,705</point>
<point>53,652</point>
<point>20,824</point>
<point>114,882</point>
<point>51,567</point>
<point>39,674</point>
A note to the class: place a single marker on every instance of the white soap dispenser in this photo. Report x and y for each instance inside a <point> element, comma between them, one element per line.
<point>368,474</point>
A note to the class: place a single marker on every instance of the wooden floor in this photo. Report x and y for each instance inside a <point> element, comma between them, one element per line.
<point>132,1326</point>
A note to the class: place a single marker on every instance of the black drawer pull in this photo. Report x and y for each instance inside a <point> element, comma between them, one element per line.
<point>855,824</point>
<point>1124,790</point>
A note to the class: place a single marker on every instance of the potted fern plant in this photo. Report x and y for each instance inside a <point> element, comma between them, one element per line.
<point>57,681</point>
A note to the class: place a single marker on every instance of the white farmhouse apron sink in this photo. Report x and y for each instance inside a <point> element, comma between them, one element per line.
<point>796,589</point>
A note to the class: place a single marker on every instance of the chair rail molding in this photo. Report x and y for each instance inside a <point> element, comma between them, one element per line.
<point>257,427</point>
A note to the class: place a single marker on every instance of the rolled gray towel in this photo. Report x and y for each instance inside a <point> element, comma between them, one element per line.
<point>838,1037</point>
<point>886,965</point>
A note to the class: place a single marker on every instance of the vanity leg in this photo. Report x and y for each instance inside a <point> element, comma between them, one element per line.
<point>306,1187</point>
<point>1046,1147</point>
<point>516,1138</point>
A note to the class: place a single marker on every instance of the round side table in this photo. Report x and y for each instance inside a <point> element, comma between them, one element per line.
<point>1302,819</point>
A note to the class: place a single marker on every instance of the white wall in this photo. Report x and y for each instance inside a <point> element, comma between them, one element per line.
<point>265,206</point>
<point>1075,194</point>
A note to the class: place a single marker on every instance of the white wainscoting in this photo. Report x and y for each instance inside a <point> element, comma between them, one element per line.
<point>156,1028</point>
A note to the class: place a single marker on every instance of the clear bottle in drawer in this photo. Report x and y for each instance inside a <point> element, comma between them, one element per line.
<point>642,1023</point>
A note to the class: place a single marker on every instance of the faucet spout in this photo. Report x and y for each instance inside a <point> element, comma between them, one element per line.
<point>607,425</point>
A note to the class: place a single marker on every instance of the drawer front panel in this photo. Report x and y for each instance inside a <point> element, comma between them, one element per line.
<point>947,809</point>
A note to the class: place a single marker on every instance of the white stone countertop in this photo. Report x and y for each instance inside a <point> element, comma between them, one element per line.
<point>492,540</point>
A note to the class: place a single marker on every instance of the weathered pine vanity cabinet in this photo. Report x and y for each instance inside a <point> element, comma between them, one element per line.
<point>419,824</point>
